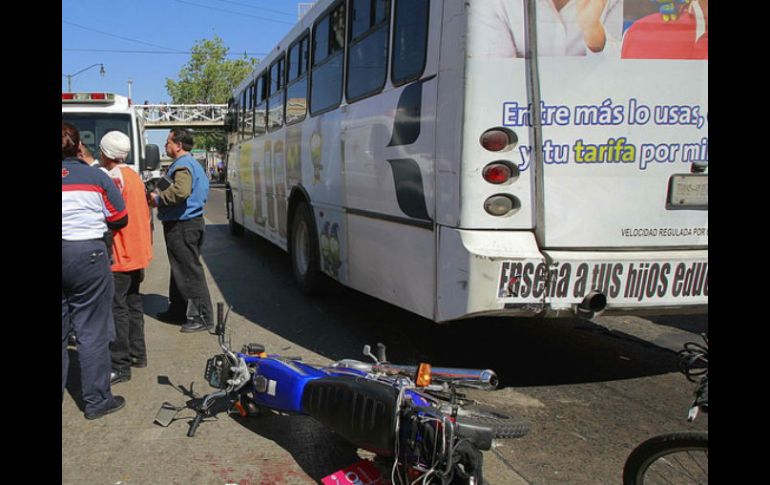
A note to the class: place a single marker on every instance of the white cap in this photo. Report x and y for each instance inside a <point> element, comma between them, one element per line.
<point>116,146</point>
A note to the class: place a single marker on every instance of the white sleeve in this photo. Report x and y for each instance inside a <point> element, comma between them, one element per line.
<point>489,30</point>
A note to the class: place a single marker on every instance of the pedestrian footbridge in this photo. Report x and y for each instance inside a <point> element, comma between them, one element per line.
<point>199,116</point>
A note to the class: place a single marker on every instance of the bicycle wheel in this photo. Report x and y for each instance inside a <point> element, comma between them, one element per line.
<point>504,425</point>
<point>675,458</point>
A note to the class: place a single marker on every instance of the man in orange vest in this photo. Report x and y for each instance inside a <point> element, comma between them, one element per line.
<point>132,252</point>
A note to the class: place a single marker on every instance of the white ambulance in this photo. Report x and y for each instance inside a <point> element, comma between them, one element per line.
<point>95,114</point>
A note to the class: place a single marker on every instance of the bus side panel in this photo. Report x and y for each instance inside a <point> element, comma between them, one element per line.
<point>393,262</point>
<point>322,152</point>
<point>390,177</point>
<point>449,113</point>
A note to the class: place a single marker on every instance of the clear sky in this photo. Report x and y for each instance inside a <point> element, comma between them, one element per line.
<point>147,41</point>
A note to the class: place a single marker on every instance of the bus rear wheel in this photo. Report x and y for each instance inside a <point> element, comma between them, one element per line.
<point>235,228</point>
<point>304,252</point>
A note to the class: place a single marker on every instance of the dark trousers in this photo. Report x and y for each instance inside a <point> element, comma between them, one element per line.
<point>129,320</point>
<point>188,291</point>
<point>86,307</point>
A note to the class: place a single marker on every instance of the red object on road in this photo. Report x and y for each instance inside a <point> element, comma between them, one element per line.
<point>360,473</point>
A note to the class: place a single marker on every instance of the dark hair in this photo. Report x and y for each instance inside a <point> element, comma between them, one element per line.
<point>184,137</point>
<point>70,140</point>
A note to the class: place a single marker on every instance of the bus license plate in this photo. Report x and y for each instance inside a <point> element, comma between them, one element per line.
<point>690,191</point>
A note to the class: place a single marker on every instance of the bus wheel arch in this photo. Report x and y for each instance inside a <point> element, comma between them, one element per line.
<point>302,244</point>
<point>235,228</point>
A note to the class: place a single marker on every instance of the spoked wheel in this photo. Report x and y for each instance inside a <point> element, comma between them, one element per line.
<point>676,458</point>
<point>304,252</point>
<point>504,425</point>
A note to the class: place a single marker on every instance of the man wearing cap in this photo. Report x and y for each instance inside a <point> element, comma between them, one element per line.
<point>132,252</point>
<point>180,208</point>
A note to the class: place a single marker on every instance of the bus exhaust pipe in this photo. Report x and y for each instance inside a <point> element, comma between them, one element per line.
<point>593,303</point>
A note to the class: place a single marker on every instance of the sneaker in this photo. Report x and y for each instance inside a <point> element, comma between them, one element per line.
<point>117,376</point>
<point>118,402</point>
<point>171,317</point>
<point>138,363</point>
<point>193,326</point>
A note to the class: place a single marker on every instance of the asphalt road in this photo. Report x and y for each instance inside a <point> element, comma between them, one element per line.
<point>592,390</point>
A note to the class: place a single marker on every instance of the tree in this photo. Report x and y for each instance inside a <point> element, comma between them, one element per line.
<point>209,77</point>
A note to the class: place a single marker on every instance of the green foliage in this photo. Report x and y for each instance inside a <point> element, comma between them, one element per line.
<point>209,77</point>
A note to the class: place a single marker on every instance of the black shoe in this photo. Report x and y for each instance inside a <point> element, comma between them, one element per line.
<point>117,404</point>
<point>171,317</point>
<point>117,376</point>
<point>138,363</point>
<point>193,326</point>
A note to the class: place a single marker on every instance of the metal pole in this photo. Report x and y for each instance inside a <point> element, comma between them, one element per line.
<point>70,76</point>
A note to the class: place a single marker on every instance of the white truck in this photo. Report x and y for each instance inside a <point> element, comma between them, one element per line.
<point>95,114</point>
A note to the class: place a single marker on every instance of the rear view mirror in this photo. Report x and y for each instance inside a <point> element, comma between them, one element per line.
<point>151,158</point>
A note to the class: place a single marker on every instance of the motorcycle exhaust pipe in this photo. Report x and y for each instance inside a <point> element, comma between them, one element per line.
<point>485,379</point>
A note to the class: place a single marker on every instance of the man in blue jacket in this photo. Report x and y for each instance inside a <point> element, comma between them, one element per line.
<point>180,209</point>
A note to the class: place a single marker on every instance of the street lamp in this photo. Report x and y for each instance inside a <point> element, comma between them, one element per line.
<point>70,76</point>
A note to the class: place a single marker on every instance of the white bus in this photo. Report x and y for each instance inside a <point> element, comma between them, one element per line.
<point>432,155</point>
<point>95,114</point>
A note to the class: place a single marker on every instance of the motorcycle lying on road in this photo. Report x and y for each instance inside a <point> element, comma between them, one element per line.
<point>413,416</point>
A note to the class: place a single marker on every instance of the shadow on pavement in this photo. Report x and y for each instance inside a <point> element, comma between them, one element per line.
<point>255,277</point>
<point>154,304</point>
<point>300,436</point>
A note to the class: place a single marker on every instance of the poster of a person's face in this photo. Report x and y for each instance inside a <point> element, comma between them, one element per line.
<point>627,29</point>
<point>564,28</point>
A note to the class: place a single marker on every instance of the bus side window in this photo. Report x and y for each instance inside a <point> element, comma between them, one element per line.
<point>368,51</point>
<point>410,40</point>
<point>296,92</point>
<point>326,75</point>
<point>248,118</point>
<point>275,102</point>
<point>242,117</point>
<point>260,112</point>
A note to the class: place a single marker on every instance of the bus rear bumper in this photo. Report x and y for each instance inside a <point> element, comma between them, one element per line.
<point>498,273</point>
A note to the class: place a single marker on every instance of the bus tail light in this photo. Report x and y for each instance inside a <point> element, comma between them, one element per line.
<point>500,172</point>
<point>501,204</point>
<point>498,139</point>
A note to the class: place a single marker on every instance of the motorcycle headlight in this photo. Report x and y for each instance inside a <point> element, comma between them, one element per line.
<point>218,371</point>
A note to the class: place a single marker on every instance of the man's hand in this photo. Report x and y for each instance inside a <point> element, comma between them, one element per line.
<point>588,18</point>
<point>152,198</point>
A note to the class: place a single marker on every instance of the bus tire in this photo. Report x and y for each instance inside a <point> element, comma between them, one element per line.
<point>304,251</point>
<point>235,228</point>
